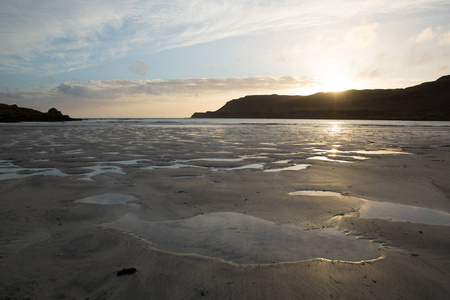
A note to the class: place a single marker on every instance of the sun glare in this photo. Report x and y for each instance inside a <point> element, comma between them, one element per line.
<point>336,82</point>
<point>334,128</point>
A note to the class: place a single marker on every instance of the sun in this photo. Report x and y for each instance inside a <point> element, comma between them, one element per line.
<point>336,81</point>
<point>331,77</point>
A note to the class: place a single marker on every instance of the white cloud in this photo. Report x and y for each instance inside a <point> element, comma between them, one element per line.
<point>426,35</point>
<point>429,34</point>
<point>445,39</point>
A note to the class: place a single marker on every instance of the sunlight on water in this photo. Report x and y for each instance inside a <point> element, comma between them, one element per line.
<point>390,211</point>
<point>325,158</point>
<point>401,212</point>
<point>377,152</point>
<point>335,128</point>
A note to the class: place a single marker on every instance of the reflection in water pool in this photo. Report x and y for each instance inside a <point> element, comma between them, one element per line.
<point>291,168</point>
<point>175,166</point>
<point>391,211</point>
<point>401,212</point>
<point>8,170</point>
<point>378,152</point>
<point>111,199</point>
<point>250,166</point>
<point>325,158</point>
<point>315,193</point>
<point>100,169</point>
<point>245,239</point>
<point>213,159</point>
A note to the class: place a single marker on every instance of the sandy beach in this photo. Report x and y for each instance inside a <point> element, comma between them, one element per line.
<point>332,210</point>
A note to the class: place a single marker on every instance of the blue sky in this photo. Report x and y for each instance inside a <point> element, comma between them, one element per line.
<point>171,58</point>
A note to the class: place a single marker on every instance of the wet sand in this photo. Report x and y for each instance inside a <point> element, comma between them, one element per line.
<point>214,228</point>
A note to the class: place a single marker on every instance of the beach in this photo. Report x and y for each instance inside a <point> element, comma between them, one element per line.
<point>225,209</point>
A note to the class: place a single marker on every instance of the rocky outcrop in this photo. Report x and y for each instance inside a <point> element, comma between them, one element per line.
<point>14,113</point>
<point>427,101</point>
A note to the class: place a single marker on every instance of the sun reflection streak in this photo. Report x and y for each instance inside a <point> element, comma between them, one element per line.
<point>333,152</point>
<point>335,127</point>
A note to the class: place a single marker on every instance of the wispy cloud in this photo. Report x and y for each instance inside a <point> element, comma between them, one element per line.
<point>50,36</point>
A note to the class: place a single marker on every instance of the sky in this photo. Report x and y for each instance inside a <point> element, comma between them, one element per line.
<point>171,58</point>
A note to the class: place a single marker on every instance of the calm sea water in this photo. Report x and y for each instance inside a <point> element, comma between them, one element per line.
<point>231,121</point>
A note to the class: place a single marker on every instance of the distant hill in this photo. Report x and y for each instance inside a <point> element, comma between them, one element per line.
<point>14,113</point>
<point>427,101</point>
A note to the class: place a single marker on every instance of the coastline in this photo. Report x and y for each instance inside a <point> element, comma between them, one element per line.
<point>15,114</point>
<point>428,101</point>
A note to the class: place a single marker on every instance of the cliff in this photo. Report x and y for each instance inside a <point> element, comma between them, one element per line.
<point>427,101</point>
<point>14,113</point>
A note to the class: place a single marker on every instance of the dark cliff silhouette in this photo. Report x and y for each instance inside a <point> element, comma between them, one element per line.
<point>427,101</point>
<point>14,113</point>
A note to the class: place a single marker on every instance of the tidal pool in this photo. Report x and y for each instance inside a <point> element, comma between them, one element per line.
<point>175,166</point>
<point>282,161</point>
<point>111,199</point>
<point>244,239</point>
<point>245,167</point>
<point>100,169</point>
<point>379,152</point>
<point>125,162</point>
<point>388,210</point>
<point>401,212</point>
<point>8,170</point>
<point>213,159</point>
<point>325,158</point>
<point>291,168</point>
<point>315,193</point>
